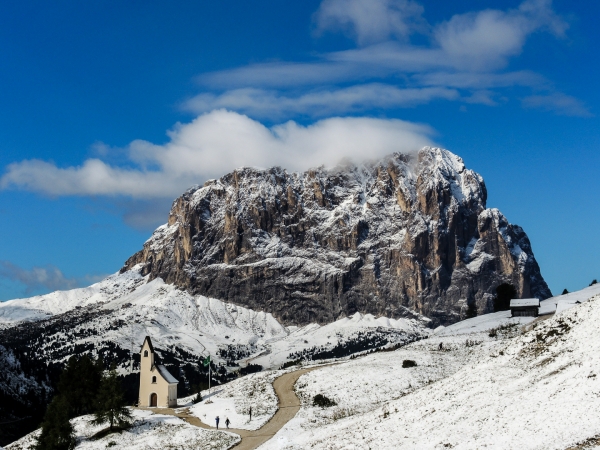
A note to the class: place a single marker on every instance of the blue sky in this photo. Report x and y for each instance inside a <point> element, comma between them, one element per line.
<point>109,110</point>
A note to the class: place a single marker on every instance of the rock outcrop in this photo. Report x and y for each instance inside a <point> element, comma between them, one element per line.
<point>401,235</point>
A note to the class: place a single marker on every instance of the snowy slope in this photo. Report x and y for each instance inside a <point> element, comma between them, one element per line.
<point>520,390</point>
<point>233,400</point>
<point>124,308</point>
<point>549,306</point>
<point>149,431</point>
<point>128,309</point>
<point>110,320</point>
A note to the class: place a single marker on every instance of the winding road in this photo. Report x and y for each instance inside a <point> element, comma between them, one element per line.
<point>288,406</point>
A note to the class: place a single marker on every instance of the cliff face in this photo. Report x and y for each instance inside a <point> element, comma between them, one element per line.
<point>388,238</point>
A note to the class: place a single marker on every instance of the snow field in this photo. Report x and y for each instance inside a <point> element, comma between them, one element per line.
<point>355,390</point>
<point>149,431</point>
<point>482,323</point>
<point>234,399</point>
<point>533,390</point>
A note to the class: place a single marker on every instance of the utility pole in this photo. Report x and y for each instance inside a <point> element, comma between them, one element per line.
<point>131,351</point>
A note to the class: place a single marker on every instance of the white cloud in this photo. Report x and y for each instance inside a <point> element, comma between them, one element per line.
<point>214,144</point>
<point>559,103</point>
<point>473,42</point>
<point>279,74</point>
<point>48,277</point>
<point>484,40</point>
<point>466,58</point>
<point>470,80</point>
<point>371,21</point>
<point>272,104</point>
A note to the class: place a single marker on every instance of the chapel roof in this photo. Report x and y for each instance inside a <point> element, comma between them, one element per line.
<point>166,374</point>
<point>149,344</point>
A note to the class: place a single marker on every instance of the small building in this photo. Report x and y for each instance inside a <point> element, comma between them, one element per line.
<point>525,307</point>
<point>157,386</point>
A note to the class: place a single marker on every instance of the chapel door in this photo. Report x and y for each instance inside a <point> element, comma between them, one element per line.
<point>153,400</point>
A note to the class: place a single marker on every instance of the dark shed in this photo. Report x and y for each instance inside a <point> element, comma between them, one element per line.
<point>525,307</point>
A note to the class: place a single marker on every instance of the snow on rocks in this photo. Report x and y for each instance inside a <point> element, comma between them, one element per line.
<point>148,431</point>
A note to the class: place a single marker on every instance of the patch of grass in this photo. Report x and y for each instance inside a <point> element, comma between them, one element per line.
<point>470,343</point>
<point>506,330</point>
<point>340,413</point>
<point>560,329</point>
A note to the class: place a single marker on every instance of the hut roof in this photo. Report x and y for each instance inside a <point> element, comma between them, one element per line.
<point>520,302</point>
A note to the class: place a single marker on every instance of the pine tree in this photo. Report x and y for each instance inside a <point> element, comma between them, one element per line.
<point>565,292</point>
<point>110,403</point>
<point>57,431</point>
<point>594,281</point>
<point>79,383</point>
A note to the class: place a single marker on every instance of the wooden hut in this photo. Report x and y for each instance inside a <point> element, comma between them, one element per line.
<point>525,307</point>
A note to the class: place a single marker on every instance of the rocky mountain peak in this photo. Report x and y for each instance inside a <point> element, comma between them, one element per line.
<point>402,235</point>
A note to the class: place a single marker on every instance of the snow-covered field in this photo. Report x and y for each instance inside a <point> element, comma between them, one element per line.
<point>149,431</point>
<point>518,390</point>
<point>233,400</point>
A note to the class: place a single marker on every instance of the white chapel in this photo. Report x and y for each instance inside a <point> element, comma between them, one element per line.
<point>157,386</point>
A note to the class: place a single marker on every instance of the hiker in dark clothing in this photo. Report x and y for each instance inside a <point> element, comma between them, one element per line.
<point>217,420</point>
<point>227,422</point>
<point>250,414</point>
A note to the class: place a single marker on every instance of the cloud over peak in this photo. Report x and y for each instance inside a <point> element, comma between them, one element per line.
<point>214,144</point>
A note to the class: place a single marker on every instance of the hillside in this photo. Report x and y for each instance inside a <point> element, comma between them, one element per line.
<point>405,234</point>
<point>513,390</point>
<point>110,318</point>
<point>508,384</point>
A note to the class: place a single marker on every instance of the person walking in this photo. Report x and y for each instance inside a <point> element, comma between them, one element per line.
<point>217,420</point>
<point>227,422</point>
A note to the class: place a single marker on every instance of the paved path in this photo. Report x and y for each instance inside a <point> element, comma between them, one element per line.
<point>288,406</point>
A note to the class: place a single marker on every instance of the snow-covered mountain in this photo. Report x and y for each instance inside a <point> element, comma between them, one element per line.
<point>266,267</point>
<point>408,233</point>
<point>111,318</point>
<point>124,308</point>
